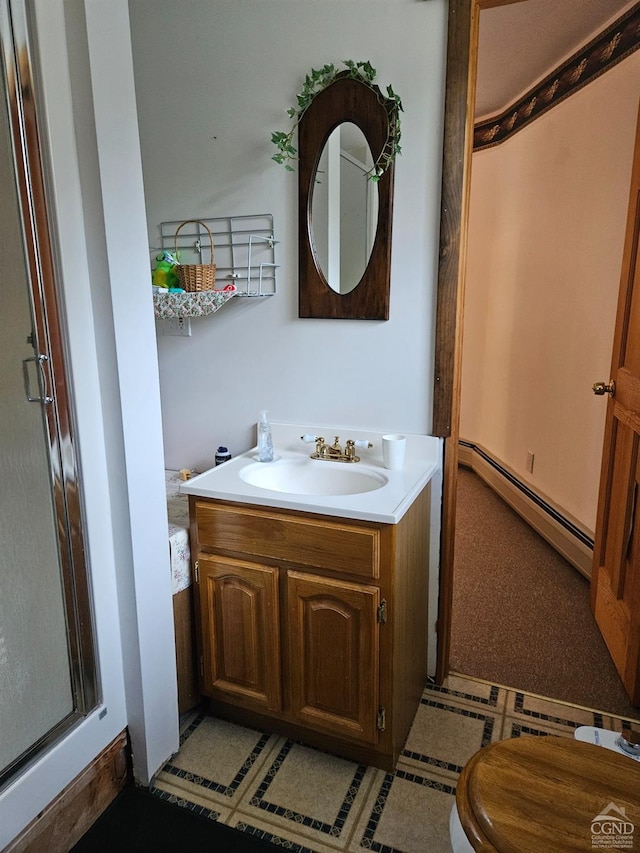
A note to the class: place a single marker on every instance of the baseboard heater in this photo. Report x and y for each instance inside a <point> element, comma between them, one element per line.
<point>561,533</point>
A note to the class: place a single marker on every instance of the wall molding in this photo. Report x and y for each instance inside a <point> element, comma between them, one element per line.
<point>568,539</point>
<point>604,51</point>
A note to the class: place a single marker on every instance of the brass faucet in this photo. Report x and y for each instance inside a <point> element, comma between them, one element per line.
<point>334,452</point>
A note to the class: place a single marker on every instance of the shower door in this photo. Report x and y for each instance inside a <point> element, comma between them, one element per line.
<point>47,674</point>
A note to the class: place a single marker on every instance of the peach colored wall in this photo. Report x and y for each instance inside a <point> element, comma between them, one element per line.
<point>547,217</point>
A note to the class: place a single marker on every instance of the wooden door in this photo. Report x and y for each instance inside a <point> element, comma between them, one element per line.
<point>240,632</point>
<point>333,636</point>
<point>615,580</point>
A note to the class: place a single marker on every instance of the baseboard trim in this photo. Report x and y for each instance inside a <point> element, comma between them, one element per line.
<point>561,533</point>
<point>66,819</point>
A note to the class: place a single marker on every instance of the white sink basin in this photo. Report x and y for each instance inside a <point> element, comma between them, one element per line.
<point>361,490</point>
<point>312,477</point>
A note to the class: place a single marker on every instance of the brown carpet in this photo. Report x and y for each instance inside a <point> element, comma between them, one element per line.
<point>521,614</point>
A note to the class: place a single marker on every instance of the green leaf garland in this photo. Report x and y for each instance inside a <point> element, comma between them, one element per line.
<point>314,83</point>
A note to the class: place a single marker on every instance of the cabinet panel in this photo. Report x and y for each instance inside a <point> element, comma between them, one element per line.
<point>241,640</point>
<point>349,548</point>
<point>333,639</point>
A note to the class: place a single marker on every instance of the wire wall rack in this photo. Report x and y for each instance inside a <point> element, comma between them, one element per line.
<point>244,250</point>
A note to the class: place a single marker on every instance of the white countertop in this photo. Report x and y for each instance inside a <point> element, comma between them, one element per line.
<point>387,504</point>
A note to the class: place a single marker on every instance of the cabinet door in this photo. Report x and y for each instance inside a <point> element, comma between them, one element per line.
<point>333,636</point>
<point>240,632</point>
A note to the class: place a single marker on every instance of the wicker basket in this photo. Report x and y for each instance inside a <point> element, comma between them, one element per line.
<point>196,277</point>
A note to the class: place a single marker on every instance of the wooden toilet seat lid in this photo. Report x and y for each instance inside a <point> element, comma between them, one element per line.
<point>535,794</point>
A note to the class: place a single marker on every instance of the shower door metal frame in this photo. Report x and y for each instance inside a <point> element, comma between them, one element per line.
<point>16,54</point>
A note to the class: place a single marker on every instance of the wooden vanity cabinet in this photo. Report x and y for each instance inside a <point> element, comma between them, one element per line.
<point>239,612</point>
<point>313,626</point>
<point>333,648</point>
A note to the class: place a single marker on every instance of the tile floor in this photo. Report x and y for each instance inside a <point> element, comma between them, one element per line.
<point>305,800</point>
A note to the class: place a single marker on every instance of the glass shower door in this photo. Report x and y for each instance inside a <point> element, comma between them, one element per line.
<point>43,678</point>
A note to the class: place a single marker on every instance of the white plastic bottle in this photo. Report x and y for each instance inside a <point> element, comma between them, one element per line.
<point>265,442</point>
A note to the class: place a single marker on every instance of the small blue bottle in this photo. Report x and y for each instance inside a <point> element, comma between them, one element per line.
<point>265,442</point>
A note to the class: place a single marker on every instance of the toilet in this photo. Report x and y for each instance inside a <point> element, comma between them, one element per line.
<point>551,794</point>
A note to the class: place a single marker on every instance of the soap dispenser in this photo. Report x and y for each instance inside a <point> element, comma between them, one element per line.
<point>265,442</point>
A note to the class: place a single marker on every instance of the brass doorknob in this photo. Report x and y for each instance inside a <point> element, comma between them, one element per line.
<point>602,388</point>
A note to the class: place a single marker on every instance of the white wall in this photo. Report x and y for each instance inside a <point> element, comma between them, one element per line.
<point>213,80</point>
<point>137,464</point>
<point>546,232</point>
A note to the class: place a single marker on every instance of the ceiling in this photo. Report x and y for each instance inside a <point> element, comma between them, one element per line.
<point>522,42</point>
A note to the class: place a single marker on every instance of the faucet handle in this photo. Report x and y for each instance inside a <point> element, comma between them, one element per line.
<point>350,448</point>
<point>308,438</point>
<point>362,442</point>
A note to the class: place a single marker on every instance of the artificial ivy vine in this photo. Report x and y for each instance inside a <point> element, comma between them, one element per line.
<point>316,82</point>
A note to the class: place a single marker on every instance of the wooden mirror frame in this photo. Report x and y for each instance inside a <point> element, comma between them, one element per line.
<point>347,99</point>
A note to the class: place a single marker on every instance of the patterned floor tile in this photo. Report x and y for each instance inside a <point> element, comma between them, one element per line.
<point>461,690</point>
<point>444,736</point>
<point>306,801</point>
<point>191,800</point>
<point>407,812</point>
<point>515,727</point>
<point>188,718</point>
<point>286,838</point>
<point>616,724</point>
<point>310,793</point>
<point>216,762</point>
<point>547,716</point>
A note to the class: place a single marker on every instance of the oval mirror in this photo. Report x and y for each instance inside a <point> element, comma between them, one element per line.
<point>344,208</point>
<point>363,289</point>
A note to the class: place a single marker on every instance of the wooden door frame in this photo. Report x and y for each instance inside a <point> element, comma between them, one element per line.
<point>462,54</point>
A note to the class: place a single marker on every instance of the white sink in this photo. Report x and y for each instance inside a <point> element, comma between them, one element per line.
<point>363,490</point>
<point>312,477</point>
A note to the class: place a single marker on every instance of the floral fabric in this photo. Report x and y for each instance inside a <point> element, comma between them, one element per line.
<point>198,304</point>
<point>178,512</point>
